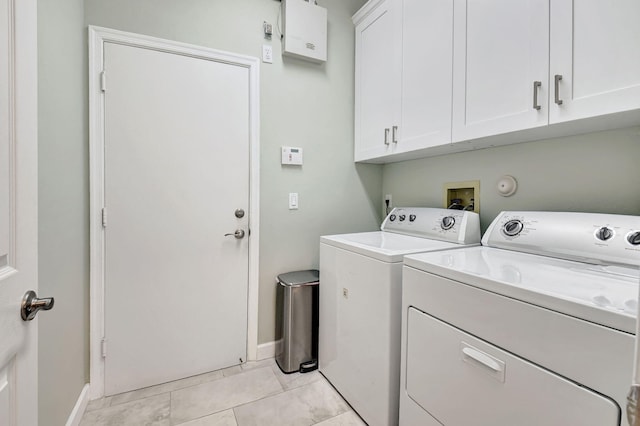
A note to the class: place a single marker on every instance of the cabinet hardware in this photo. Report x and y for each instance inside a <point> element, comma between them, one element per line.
<point>536,85</point>
<point>394,134</point>
<point>557,79</point>
<point>386,136</point>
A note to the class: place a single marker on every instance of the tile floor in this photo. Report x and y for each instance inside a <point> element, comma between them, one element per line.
<point>256,393</point>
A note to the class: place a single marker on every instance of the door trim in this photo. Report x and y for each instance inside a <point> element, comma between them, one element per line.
<point>97,37</point>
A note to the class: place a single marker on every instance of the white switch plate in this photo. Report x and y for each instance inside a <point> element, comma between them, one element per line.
<point>293,201</point>
<point>267,53</point>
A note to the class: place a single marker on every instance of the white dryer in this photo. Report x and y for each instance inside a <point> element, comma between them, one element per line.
<point>360,300</point>
<point>535,327</point>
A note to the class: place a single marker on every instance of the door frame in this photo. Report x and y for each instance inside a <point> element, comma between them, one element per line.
<point>97,37</point>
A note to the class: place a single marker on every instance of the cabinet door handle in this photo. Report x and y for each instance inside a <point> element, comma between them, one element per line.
<point>557,79</point>
<point>386,136</point>
<point>536,86</point>
<point>394,134</point>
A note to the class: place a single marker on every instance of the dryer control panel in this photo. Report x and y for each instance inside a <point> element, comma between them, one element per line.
<point>586,237</point>
<point>457,226</point>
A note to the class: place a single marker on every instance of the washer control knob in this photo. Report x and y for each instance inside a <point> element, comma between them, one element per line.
<point>392,217</point>
<point>634,238</point>
<point>447,222</point>
<point>512,227</point>
<point>412,217</point>
<point>604,234</point>
<point>402,217</point>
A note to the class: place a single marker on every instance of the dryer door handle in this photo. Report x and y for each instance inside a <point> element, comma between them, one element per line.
<point>482,358</point>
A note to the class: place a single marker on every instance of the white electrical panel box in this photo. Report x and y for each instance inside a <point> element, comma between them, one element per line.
<point>292,155</point>
<point>304,30</point>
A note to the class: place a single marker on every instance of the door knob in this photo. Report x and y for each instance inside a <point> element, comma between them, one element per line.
<point>239,234</point>
<point>31,305</point>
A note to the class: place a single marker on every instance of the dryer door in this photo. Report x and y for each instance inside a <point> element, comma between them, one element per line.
<point>462,380</point>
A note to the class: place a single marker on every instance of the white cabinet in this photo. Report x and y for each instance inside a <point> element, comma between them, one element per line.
<point>584,56</point>
<point>595,49</point>
<point>377,78</point>
<point>427,53</point>
<point>501,50</point>
<point>404,54</point>
<point>438,76</point>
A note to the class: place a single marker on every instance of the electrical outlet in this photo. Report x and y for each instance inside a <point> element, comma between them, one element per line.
<point>387,204</point>
<point>267,53</point>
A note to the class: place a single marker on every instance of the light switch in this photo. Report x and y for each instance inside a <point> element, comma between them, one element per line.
<point>293,201</point>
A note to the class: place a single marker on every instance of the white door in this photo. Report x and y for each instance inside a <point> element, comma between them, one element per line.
<point>176,169</point>
<point>501,48</point>
<point>378,63</point>
<point>18,211</point>
<point>594,49</point>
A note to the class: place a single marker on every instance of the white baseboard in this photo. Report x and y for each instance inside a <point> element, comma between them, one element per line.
<point>78,409</point>
<point>267,350</point>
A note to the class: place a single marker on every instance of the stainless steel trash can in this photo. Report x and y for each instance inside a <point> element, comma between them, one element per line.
<point>299,329</point>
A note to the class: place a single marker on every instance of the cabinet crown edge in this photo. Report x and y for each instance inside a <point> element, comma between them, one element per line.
<point>365,10</point>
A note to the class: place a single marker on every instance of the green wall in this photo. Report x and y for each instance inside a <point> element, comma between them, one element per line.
<point>63,184</point>
<point>596,172</point>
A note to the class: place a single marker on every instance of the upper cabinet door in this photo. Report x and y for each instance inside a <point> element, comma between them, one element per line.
<point>427,62</point>
<point>501,66</point>
<point>595,49</point>
<point>377,79</point>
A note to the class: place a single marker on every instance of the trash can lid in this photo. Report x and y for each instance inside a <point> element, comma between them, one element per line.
<point>310,276</point>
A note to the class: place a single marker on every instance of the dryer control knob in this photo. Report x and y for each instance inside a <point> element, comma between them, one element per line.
<point>412,217</point>
<point>634,238</point>
<point>402,217</point>
<point>604,234</point>
<point>512,228</point>
<point>392,217</point>
<point>448,222</point>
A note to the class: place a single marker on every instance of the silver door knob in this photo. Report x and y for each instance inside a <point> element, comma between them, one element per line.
<point>239,234</point>
<point>31,305</point>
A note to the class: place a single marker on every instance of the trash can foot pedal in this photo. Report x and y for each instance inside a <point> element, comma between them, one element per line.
<point>305,367</point>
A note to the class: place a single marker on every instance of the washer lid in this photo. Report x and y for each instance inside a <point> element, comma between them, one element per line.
<point>385,246</point>
<point>606,295</point>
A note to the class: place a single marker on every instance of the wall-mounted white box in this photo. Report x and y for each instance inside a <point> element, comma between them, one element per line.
<point>305,30</point>
<point>292,155</point>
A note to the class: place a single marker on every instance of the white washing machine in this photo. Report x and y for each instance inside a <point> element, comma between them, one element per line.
<point>360,300</point>
<point>535,327</point>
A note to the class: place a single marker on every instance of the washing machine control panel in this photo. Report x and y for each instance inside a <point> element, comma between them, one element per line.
<point>588,237</point>
<point>440,224</point>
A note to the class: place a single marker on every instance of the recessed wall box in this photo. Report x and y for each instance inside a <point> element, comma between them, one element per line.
<point>462,195</point>
<point>304,30</point>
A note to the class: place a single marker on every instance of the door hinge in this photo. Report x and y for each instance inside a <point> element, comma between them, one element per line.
<point>104,217</point>
<point>103,81</point>
<point>104,348</point>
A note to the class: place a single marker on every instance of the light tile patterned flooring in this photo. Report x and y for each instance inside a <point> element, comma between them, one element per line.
<point>255,393</point>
